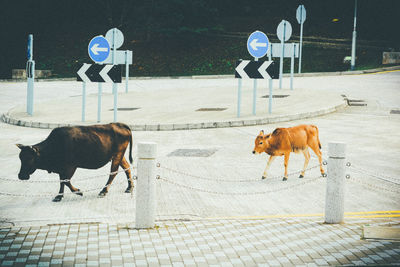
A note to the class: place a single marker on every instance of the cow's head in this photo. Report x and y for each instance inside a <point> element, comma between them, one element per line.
<point>261,143</point>
<point>29,156</point>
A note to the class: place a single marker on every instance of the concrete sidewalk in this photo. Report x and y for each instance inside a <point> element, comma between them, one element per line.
<point>179,105</point>
<point>272,242</point>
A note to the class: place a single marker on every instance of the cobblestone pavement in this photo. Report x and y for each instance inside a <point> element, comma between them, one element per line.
<point>220,242</point>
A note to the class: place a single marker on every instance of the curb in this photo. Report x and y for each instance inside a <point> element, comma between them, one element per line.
<point>226,76</point>
<point>6,118</point>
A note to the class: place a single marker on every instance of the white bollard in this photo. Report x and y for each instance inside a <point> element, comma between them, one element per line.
<point>146,186</point>
<point>334,199</point>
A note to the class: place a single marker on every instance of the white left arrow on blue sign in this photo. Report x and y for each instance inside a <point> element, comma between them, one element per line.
<point>82,72</point>
<point>254,44</point>
<point>99,49</point>
<point>96,49</point>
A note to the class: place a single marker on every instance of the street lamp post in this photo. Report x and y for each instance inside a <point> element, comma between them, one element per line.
<point>353,45</point>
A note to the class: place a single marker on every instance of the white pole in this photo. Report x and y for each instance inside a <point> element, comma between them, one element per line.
<point>126,71</point>
<point>334,198</point>
<point>301,46</point>
<point>255,93</point>
<point>100,91</point>
<point>239,96</point>
<point>83,100</point>
<point>270,84</point>
<point>353,44</point>
<point>292,66</point>
<point>30,74</point>
<point>146,186</point>
<point>115,88</point>
<point>282,55</point>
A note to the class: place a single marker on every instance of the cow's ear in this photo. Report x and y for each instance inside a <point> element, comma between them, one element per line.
<point>19,146</point>
<point>34,149</point>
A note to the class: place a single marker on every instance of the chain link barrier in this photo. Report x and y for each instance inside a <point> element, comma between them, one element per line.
<point>228,180</point>
<point>271,190</point>
<point>134,177</point>
<point>53,194</point>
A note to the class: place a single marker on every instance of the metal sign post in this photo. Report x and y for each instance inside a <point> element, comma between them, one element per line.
<point>239,96</point>
<point>100,92</point>
<point>255,93</point>
<point>30,74</point>
<point>301,17</point>
<point>284,31</point>
<point>292,66</point>
<point>270,86</point>
<point>353,43</point>
<point>103,50</point>
<point>126,71</point>
<point>257,45</point>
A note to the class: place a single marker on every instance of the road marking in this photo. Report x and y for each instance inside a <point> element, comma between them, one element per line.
<point>379,72</point>
<point>362,214</point>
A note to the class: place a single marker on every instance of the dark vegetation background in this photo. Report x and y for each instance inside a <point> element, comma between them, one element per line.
<point>191,37</point>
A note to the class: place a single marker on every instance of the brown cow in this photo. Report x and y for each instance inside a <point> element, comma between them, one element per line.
<point>282,141</point>
<point>88,147</point>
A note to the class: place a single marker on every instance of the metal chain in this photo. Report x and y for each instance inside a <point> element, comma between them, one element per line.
<point>376,175</point>
<point>226,180</point>
<point>362,182</point>
<point>50,195</point>
<point>68,180</point>
<point>272,190</point>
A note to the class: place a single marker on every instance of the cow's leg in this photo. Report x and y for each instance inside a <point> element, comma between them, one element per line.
<point>286,160</point>
<point>65,177</point>
<point>307,156</point>
<point>114,168</point>
<point>318,152</point>
<point>271,158</point>
<point>60,192</point>
<point>125,165</point>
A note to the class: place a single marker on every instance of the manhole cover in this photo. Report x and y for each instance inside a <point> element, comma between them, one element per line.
<point>124,109</point>
<point>395,111</point>
<point>211,109</point>
<point>192,153</point>
<point>275,96</point>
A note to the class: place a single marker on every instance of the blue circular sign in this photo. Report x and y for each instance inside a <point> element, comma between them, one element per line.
<point>99,49</point>
<point>258,44</point>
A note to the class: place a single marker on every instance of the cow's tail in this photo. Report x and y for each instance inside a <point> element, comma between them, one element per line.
<point>319,143</point>
<point>130,149</point>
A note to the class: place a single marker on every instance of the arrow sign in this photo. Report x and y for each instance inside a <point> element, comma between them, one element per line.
<point>96,49</point>
<point>99,73</point>
<point>255,45</point>
<point>99,49</point>
<point>258,44</point>
<point>256,70</point>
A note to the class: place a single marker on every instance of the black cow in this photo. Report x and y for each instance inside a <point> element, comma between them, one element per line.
<point>69,148</point>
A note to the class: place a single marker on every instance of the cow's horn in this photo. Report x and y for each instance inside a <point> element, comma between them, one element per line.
<point>19,146</point>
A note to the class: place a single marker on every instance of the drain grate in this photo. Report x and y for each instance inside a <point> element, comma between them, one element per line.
<point>124,109</point>
<point>211,109</point>
<point>275,96</point>
<point>356,103</point>
<point>192,153</point>
<point>395,111</point>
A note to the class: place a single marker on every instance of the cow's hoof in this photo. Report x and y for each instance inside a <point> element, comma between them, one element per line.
<point>102,194</point>
<point>79,193</point>
<point>129,190</point>
<point>284,179</point>
<point>301,176</point>
<point>58,198</point>
<point>263,177</point>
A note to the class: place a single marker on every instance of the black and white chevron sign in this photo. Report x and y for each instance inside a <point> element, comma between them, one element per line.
<point>99,73</point>
<point>256,69</point>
